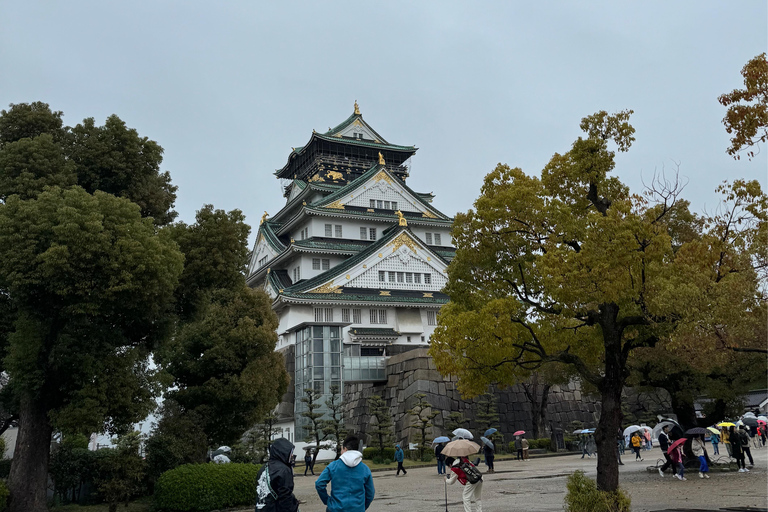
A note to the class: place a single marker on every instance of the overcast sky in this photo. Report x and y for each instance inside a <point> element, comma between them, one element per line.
<point>227,88</point>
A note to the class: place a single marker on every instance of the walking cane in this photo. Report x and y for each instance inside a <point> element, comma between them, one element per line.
<point>445,482</point>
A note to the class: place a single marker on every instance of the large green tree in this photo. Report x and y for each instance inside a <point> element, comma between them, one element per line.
<point>570,268</point>
<point>91,284</point>
<point>747,116</point>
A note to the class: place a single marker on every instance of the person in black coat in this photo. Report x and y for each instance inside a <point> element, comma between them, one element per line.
<point>664,445</point>
<point>489,456</point>
<point>274,481</point>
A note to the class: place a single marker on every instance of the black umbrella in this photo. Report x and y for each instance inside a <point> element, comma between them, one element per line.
<point>748,420</point>
<point>697,431</point>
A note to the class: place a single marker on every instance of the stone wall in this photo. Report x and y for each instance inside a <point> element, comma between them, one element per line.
<point>414,372</point>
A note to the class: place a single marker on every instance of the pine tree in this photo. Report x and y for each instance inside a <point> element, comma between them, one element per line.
<point>487,416</point>
<point>455,420</point>
<point>315,432</point>
<point>382,430</point>
<point>422,416</point>
<point>333,427</point>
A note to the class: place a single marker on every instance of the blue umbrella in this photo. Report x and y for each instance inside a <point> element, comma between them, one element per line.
<point>487,442</point>
<point>490,432</point>
<point>441,439</point>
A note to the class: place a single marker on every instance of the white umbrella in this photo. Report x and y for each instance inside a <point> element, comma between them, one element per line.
<point>460,448</point>
<point>630,429</point>
<point>763,418</point>
<point>749,414</point>
<point>221,459</point>
<point>463,433</point>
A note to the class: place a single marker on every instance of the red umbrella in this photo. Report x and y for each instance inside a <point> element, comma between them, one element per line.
<point>519,433</point>
<point>676,444</point>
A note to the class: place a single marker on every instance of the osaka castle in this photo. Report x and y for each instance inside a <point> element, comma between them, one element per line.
<point>354,262</point>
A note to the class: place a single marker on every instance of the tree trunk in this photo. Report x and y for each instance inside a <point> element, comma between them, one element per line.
<point>685,412</point>
<point>28,479</point>
<point>538,405</point>
<point>610,388</point>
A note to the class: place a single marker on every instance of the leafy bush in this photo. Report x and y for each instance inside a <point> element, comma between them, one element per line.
<point>372,453</point>
<point>205,487</point>
<point>5,468</point>
<point>584,496</point>
<point>4,494</point>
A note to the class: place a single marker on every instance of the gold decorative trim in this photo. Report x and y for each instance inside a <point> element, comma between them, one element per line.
<point>357,109</point>
<point>381,255</point>
<point>384,294</point>
<point>316,177</point>
<point>292,241</point>
<point>263,218</point>
<point>428,214</point>
<point>428,295</point>
<point>334,175</point>
<point>269,269</point>
<point>370,209</point>
<point>327,288</point>
<point>429,258</point>
<point>401,219</point>
<point>365,266</point>
<point>347,276</point>
<point>381,159</point>
<point>382,176</point>
<point>401,240</point>
<point>304,203</point>
<point>280,290</point>
<point>336,205</point>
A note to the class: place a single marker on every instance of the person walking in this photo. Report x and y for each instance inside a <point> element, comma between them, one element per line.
<point>636,445</point>
<point>308,464</point>
<point>274,481</point>
<point>725,437</point>
<point>697,445</point>
<point>583,446</point>
<point>677,460</point>
<point>745,450</point>
<point>524,443</point>
<point>400,457</point>
<point>519,447</point>
<point>664,445</point>
<point>489,456</point>
<point>591,446</point>
<point>715,440</point>
<point>351,481</point>
<point>440,458</point>
<point>736,453</point>
<point>468,476</point>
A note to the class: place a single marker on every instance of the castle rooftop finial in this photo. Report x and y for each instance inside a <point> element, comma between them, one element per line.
<point>401,219</point>
<point>381,159</point>
<point>263,218</point>
<point>357,109</point>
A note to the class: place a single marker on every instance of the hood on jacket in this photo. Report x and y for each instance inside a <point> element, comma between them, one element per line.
<point>281,450</point>
<point>351,458</point>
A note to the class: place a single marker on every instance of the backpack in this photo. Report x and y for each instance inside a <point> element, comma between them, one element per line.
<point>473,474</point>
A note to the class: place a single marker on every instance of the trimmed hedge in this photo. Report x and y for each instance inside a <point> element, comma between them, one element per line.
<point>206,487</point>
<point>372,452</point>
<point>533,444</point>
<point>584,496</point>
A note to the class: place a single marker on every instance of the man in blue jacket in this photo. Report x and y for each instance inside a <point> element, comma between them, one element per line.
<point>351,481</point>
<point>399,457</point>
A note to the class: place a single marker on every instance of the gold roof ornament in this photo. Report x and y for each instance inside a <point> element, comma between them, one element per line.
<point>381,159</point>
<point>401,220</point>
<point>263,218</point>
<point>292,241</point>
<point>357,109</point>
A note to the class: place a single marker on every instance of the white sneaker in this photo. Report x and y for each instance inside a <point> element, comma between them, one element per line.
<point>741,470</point>
<point>746,470</point>
<point>701,475</point>
<point>706,475</point>
<point>678,477</point>
<point>661,473</point>
<point>684,479</point>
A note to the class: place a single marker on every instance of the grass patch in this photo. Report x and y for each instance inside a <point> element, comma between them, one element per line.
<point>141,505</point>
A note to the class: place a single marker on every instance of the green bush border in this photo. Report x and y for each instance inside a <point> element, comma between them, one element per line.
<point>206,487</point>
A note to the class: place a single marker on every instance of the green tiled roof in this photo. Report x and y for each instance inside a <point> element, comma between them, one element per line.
<point>351,297</point>
<point>267,229</point>
<point>353,246</point>
<point>370,173</point>
<point>410,216</point>
<point>365,143</point>
<point>372,331</point>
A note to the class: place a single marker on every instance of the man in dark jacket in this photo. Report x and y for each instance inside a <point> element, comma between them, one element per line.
<point>664,445</point>
<point>274,481</point>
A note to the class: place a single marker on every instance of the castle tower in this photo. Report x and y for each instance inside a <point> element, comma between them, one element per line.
<point>354,263</point>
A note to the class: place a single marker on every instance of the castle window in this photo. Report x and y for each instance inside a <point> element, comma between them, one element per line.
<point>345,315</point>
<point>431,318</point>
<point>386,205</point>
<point>357,316</point>
<point>379,203</point>
<point>373,203</point>
<point>391,277</point>
<point>408,277</point>
<point>372,233</point>
<point>400,276</point>
<point>263,261</point>
<point>429,238</point>
<point>315,263</point>
<point>328,314</point>
<point>382,276</point>
<point>318,315</point>
<point>296,274</point>
<point>338,230</point>
<point>363,234</point>
<point>427,278</point>
<point>329,230</point>
<point>394,205</point>
<point>326,264</point>
<point>437,239</point>
<point>378,316</point>
<point>417,278</point>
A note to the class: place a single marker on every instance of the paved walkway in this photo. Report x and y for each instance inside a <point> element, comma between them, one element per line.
<point>539,485</point>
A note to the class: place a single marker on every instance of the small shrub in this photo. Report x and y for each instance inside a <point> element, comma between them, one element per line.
<point>4,494</point>
<point>5,467</point>
<point>372,453</point>
<point>205,487</point>
<point>584,496</point>
<point>427,456</point>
